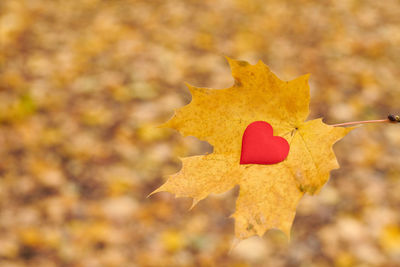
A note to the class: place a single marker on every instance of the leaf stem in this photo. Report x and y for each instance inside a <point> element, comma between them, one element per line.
<point>390,118</point>
<point>359,122</point>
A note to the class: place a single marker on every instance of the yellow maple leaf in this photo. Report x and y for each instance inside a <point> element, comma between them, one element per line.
<point>269,194</point>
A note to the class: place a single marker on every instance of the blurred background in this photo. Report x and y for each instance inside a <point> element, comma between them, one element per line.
<point>83,83</point>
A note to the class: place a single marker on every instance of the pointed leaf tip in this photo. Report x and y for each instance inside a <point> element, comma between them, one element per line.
<point>234,244</point>
<point>304,77</point>
<point>194,203</point>
<point>193,90</point>
<point>169,123</point>
<point>155,191</point>
<point>234,63</point>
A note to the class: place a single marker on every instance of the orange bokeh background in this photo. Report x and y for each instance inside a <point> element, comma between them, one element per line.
<point>84,83</point>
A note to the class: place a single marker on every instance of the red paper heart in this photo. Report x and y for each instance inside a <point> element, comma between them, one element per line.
<point>259,146</point>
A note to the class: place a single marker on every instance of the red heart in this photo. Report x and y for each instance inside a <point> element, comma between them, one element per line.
<point>259,146</point>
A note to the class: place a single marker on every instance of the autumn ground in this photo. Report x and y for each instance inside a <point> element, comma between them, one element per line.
<point>83,83</point>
